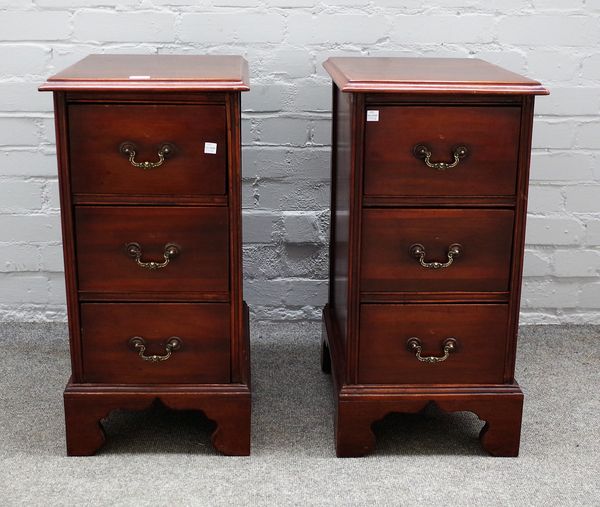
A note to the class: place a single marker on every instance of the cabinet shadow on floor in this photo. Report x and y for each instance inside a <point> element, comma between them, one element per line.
<point>157,429</point>
<point>429,432</point>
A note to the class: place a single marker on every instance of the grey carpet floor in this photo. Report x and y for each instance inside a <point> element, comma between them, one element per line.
<point>158,457</point>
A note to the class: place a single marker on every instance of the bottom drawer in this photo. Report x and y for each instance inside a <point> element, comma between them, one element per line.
<point>110,355</point>
<point>479,331</point>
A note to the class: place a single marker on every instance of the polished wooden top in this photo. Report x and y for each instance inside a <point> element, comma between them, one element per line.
<point>427,75</point>
<point>153,73</point>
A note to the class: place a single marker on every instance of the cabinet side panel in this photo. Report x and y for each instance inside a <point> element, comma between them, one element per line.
<point>519,236</point>
<point>68,239</point>
<point>340,208</point>
<point>239,352</point>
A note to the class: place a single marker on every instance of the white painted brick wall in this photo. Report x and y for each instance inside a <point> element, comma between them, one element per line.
<point>287,129</point>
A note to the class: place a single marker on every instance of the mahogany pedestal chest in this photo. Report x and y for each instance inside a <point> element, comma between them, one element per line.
<point>430,168</point>
<point>149,171</point>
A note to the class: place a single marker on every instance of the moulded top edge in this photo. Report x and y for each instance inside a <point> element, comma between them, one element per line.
<point>153,72</point>
<point>427,75</point>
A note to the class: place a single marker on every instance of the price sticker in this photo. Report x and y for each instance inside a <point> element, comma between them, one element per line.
<point>210,148</point>
<point>373,115</point>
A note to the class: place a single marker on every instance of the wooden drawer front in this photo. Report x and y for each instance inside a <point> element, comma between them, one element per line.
<point>200,234</point>
<point>203,331</point>
<point>479,331</point>
<point>490,134</point>
<point>98,167</point>
<point>485,237</point>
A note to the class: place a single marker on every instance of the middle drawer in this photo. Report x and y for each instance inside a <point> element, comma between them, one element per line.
<point>462,249</point>
<point>116,246</point>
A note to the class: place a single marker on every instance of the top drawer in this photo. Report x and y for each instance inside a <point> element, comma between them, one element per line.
<point>489,134</point>
<point>99,164</point>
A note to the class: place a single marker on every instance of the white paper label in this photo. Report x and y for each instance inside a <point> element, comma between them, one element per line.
<point>210,148</point>
<point>372,115</point>
<point>139,77</point>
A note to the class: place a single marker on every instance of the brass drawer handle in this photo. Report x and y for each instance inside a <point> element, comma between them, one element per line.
<point>135,250</point>
<point>138,344</point>
<point>424,152</point>
<point>417,251</point>
<point>129,150</point>
<point>415,345</point>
